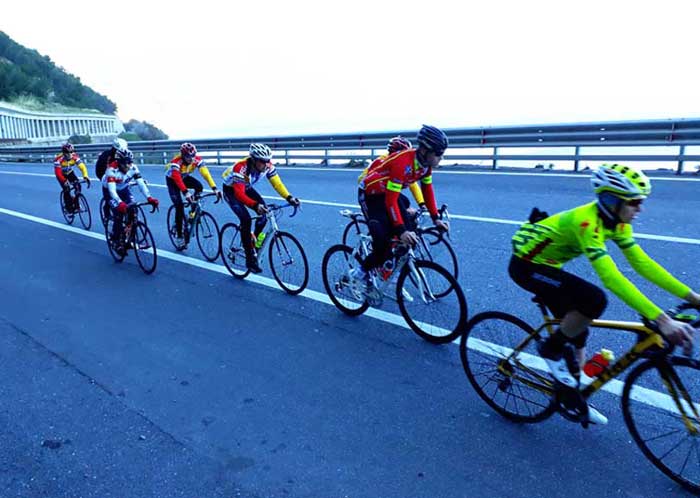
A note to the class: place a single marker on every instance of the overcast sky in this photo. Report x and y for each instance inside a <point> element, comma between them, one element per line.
<point>199,69</point>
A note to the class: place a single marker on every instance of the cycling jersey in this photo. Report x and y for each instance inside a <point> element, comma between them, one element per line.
<point>566,235</point>
<point>414,187</point>
<point>395,173</point>
<point>177,169</point>
<point>241,177</point>
<point>115,181</point>
<point>63,166</point>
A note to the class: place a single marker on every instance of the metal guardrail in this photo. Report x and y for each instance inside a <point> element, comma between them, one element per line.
<point>358,146</point>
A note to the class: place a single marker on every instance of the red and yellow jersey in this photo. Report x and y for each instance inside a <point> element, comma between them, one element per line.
<point>243,175</point>
<point>64,165</point>
<point>394,173</point>
<point>414,187</point>
<point>566,235</point>
<point>177,169</point>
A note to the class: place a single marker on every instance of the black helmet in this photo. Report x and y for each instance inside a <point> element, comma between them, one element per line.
<point>124,157</point>
<point>433,139</point>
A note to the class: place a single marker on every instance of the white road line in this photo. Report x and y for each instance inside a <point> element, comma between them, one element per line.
<point>659,238</point>
<point>647,396</point>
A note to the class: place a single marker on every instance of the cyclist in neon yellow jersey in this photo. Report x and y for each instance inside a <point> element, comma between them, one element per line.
<point>542,246</point>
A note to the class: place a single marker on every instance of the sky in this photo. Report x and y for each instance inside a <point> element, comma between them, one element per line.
<point>203,69</point>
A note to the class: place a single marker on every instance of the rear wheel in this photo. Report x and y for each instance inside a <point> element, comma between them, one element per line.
<point>505,374</point>
<point>351,234</point>
<point>341,287</point>
<point>144,248</point>
<point>68,215</point>
<point>288,263</point>
<point>664,428</point>
<point>84,212</point>
<point>207,233</point>
<point>232,253</point>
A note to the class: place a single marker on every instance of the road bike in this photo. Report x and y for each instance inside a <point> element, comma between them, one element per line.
<point>199,222</point>
<point>83,208</point>
<point>136,236</point>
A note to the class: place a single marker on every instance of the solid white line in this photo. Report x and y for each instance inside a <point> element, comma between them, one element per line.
<point>660,238</point>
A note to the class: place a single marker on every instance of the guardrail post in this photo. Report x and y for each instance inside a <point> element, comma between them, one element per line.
<point>218,157</point>
<point>681,160</point>
<point>165,158</point>
<point>141,157</point>
<point>286,157</point>
<point>495,158</point>
<point>325,157</point>
<point>576,152</point>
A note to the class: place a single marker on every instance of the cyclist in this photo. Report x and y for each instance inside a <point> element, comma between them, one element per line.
<point>116,190</point>
<point>63,169</point>
<point>178,177</point>
<point>380,198</point>
<point>543,244</point>
<point>103,161</point>
<point>240,195</point>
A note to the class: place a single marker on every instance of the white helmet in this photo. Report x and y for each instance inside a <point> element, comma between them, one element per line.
<point>624,182</point>
<point>120,144</point>
<point>260,151</point>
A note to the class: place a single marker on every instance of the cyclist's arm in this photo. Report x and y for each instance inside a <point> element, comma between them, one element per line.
<point>112,189</point>
<point>82,168</point>
<point>177,178</point>
<point>204,171</point>
<point>417,193</point>
<point>239,193</point>
<point>277,184</point>
<point>654,272</point>
<point>139,181</point>
<point>59,174</point>
<point>427,188</point>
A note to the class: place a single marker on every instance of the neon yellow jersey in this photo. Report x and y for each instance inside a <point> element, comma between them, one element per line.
<point>566,235</point>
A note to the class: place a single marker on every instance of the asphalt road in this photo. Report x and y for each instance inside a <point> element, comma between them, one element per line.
<point>190,383</point>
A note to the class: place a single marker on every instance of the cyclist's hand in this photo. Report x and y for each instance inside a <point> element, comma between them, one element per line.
<point>122,207</point>
<point>87,181</point>
<point>442,225</point>
<point>188,197</point>
<point>409,238</point>
<point>293,201</point>
<point>261,209</point>
<point>693,298</point>
<point>153,201</point>
<point>675,332</point>
<point>218,193</point>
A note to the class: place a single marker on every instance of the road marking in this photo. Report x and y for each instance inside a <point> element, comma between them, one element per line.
<point>464,217</point>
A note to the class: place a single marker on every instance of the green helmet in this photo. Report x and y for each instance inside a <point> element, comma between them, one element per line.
<point>622,181</point>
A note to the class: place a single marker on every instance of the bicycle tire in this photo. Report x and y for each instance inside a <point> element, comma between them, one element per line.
<point>84,212</point>
<point>103,219</point>
<point>453,323</point>
<point>350,302</point>
<point>142,240</point>
<point>232,253</point>
<point>207,235</point>
<point>69,217</point>
<point>281,245</point>
<point>352,231</point>
<point>445,257</point>
<point>117,256</point>
<point>506,394</point>
<point>172,229</point>
<point>639,393</point>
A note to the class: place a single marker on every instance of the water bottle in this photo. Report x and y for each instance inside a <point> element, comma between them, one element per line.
<point>598,362</point>
<point>387,269</point>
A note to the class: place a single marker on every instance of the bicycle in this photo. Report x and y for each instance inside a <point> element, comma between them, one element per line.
<point>83,210</point>
<point>420,286</point>
<point>432,244</point>
<point>136,235</point>
<point>500,359</point>
<point>286,256</point>
<point>200,222</point>
<point>142,214</point>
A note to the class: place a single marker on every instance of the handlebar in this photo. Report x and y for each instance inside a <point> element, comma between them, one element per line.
<point>679,313</point>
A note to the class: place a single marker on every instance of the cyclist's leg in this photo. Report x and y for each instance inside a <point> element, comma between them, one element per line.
<point>407,213</point>
<point>244,220</point>
<point>73,199</point>
<point>176,198</point>
<point>380,229</point>
<point>262,221</point>
<point>191,182</point>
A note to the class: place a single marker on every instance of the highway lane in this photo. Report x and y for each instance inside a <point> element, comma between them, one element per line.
<point>283,396</point>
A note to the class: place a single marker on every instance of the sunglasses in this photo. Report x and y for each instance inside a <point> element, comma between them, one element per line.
<point>635,202</point>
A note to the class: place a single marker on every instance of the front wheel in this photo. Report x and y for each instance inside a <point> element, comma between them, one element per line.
<point>500,358</point>
<point>232,252</point>
<point>84,212</point>
<point>660,404</point>
<point>144,248</point>
<point>179,243</point>
<point>432,246</point>
<point>288,263</point>
<point>207,233</point>
<point>352,232</point>
<point>431,301</point>
<point>342,289</point>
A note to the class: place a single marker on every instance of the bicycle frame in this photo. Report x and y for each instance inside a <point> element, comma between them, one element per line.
<point>271,227</point>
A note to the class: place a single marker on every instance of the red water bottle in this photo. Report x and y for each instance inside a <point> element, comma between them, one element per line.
<point>598,362</point>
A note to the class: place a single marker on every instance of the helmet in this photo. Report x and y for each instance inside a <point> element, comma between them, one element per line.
<point>398,143</point>
<point>124,157</point>
<point>433,139</point>
<point>119,144</point>
<point>624,182</point>
<point>67,148</point>
<point>260,151</point>
<point>188,150</point>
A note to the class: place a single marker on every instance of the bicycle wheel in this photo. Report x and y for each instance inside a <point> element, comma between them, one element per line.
<point>436,318</point>
<point>656,422</point>
<point>104,219</point>
<point>178,243</point>
<point>514,383</point>
<point>207,233</point>
<point>288,263</point>
<point>84,212</point>
<point>432,247</point>
<point>69,216</point>
<point>142,216</point>
<point>351,234</point>
<point>232,252</point>
<point>113,244</point>
<point>144,248</point>
<point>337,264</point>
